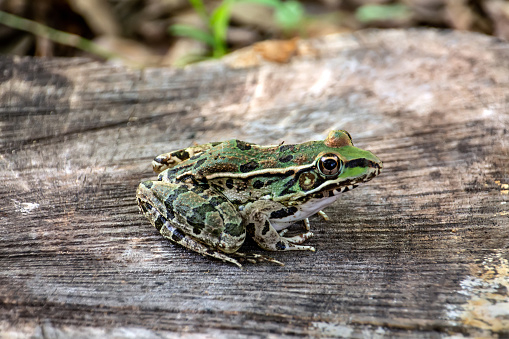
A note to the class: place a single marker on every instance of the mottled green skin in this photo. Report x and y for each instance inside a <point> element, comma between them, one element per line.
<point>207,197</point>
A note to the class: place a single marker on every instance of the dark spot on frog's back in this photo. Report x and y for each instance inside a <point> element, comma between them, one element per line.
<point>250,166</point>
<point>287,158</point>
<point>199,163</point>
<point>244,146</point>
<point>285,148</point>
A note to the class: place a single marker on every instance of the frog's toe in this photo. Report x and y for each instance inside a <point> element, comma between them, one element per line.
<point>256,258</point>
<point>293,247</point>
<point>299,239</point>
<point>323,215</point>
<point>307,225</point>
<point>290,244</point>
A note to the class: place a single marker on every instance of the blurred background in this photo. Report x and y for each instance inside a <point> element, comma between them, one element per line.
<point>177,32</point>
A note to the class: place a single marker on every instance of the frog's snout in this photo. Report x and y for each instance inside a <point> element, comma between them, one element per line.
<point>378,165</point>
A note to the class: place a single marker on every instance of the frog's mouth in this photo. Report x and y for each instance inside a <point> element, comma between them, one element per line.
<point>312,203</point>
<point>344,184</point>
<point>333,191</point>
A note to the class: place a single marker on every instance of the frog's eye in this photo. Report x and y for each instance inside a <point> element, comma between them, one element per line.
<point>330,165</point>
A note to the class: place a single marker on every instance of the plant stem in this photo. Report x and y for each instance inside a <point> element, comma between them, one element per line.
<point>55,35</point>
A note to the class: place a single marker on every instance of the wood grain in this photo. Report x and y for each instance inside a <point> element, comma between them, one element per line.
<point>422,250</point>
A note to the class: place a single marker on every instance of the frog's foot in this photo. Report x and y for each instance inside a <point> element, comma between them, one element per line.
<point>272,241</point>
<point>269,239</point>
<point>297,239</point>
<point>256,258</point>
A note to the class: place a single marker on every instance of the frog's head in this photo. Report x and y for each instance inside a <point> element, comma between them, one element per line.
<point>337,167</point>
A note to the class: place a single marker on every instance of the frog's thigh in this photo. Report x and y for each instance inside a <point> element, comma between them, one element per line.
<point>200,214</point>
<point>258,223</point>
<point>172,233</point>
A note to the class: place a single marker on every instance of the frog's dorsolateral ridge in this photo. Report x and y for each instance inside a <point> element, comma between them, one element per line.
<point>208,197</point>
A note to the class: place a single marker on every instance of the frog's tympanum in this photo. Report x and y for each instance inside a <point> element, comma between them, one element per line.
<point>209,197</point>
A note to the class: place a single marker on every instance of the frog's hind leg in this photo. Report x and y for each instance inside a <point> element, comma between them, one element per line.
<point>194,217</point>
<point>176,236</point>
<point>173,234</point>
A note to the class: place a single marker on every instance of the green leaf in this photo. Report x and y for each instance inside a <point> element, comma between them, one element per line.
<point>52,34</point>
<point>289,14</point>
<point>269,3</point>
<point>193,33</point>
<point>369,13</point>
<point>219,25</point>
<point>199,7</point>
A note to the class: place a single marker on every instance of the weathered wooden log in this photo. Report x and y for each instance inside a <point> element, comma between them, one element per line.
<point>422,250</point>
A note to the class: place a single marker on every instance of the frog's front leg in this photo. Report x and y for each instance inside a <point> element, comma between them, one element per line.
<point>320,213</point>
<point>256,215</point>
<point>193,216</point>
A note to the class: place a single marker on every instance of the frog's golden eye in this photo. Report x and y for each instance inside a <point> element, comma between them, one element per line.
<point>330,164</point>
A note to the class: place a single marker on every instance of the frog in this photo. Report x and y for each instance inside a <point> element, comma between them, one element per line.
<point>209,198</point>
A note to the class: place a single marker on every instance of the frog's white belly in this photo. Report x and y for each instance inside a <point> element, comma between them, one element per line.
<point>306,210</point>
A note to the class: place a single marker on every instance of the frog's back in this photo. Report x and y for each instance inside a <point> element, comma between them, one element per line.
<point>237,157</point>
